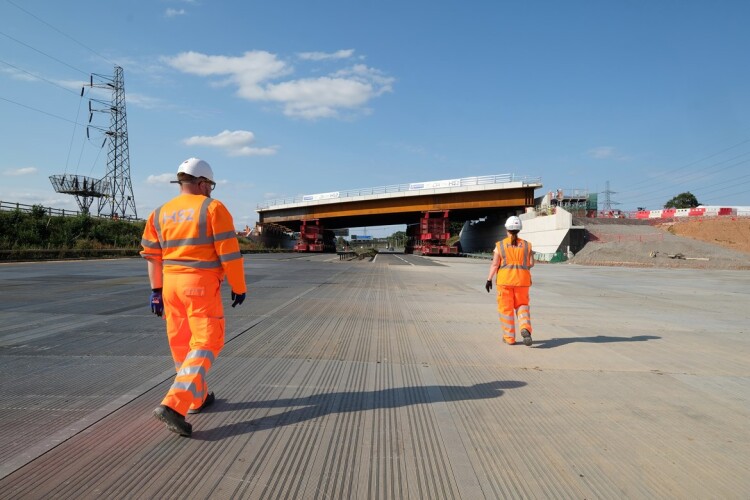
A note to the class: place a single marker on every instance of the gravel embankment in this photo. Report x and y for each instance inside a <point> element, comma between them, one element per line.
<point>643,245</point>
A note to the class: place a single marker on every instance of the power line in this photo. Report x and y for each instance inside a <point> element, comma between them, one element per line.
<point>72,137</point>
<point>744,191</point>
<point>693,176</point>
<point>651,195</point>
<point>690,164</point>
<point>41,111</point>
<point>38,77</point>
<point>41,52</point>
<point>716,154</point>
<point>59,31</point>
<point>696,176</point>
<point>732,181</point>
<point>734,185</point>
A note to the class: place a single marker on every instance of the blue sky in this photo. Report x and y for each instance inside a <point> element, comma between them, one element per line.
<point>290,98</point>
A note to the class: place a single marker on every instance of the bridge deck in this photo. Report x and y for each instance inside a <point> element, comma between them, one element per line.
<point>385,379</point>
<point>469,198</point>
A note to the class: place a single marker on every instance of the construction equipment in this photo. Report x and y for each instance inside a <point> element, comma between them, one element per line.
<point>430,235</point>
<point>677,256</point>
<point>313,238</point>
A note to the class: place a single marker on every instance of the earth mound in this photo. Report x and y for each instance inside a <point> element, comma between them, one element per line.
<point>705,243</point>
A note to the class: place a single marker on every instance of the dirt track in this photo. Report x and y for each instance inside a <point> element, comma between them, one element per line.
<point>720,243</point>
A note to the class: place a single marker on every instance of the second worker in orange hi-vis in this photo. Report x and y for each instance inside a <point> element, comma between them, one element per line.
<point>512,261</point>
<point>190,245</point>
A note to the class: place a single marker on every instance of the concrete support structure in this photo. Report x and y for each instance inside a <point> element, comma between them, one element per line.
<point>547,234</point>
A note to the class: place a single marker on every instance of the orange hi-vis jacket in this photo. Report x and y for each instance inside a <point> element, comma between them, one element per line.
<point>192,232</point>
<point>515,263</point>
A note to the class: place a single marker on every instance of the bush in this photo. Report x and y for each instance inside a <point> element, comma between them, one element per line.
<point>36,229</point>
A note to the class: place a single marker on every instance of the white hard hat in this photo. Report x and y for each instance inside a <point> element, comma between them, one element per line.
<point>513,223</point>
<point>196,168</point>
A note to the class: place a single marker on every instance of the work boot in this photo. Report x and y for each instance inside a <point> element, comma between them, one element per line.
<point>526,337</point>
<point>509,340</point>
<point>173,420</point>
<point>206,403</point>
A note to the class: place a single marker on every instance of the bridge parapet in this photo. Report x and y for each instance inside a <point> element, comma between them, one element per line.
<point>414,188</point>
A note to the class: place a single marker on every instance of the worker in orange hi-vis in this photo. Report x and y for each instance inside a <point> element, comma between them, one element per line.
<point>512,261</point>
<point>190,245</point>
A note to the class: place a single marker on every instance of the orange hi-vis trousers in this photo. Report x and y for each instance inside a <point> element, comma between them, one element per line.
<point>512,299</point>
<point>195,329</point>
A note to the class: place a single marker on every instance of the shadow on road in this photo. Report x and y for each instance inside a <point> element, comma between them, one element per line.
<point>599,339</point>
<point>318,405</point>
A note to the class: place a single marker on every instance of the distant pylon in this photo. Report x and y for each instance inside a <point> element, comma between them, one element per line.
<point>607,203</point>
<point>120,201</point>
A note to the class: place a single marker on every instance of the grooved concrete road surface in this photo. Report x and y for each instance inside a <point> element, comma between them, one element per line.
<point>382,379</point>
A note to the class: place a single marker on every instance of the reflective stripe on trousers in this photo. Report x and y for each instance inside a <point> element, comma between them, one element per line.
<point>512,299</point>
<point>195,329</point>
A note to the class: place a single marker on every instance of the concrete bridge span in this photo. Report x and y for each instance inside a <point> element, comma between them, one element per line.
<point>467,198</point>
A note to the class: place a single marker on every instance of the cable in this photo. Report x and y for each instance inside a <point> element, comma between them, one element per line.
<point>63,34</point>
<point>684,167</point>
<point>98,154</point>
<point>696,176</point>
<point>38,77</point>
<point>734,184</point>
<point>80,155</point>
<point>679,176</point>
<point>696,189</point>
<point>43,53</point>
<point>40,111</point>
<point>72,137</point>
<point>744,191</point>
<point>693,177</point>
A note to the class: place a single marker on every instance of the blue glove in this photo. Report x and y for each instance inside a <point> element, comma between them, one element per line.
<point>157,304</point>
<point>238,298</point>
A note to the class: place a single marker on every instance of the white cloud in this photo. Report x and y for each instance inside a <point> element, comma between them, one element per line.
<point>235,143</point>
<point>21,171</point>
<point>363,73</point>
<point>22,75</point>
<point>225,139</point>
<point>19,75</point>
<point>248,151</point>
<point>145,102</point>
<point>160,179</point>
<point>322,56</point>
<point>601,153</point>
<point>246,71</point>
<point>319,97</point>
<point>76,85</point>
<point>605,153</point>
<point>174,12</point>
<point>255,74</point>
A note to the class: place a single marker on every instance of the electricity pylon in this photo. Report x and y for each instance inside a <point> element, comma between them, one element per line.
<point>120,202</point>
<point>607,206</point>
<point>114,190</point>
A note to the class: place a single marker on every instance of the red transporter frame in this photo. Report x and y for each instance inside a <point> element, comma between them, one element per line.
<point>430,236</point>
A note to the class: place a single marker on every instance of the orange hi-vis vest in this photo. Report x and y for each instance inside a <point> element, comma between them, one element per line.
<point>195,233</point>
<point>515,263</point>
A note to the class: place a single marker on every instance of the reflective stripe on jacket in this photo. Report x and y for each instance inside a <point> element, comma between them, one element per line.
<point>194,232</point>
<point>515,262</point>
